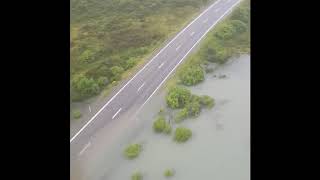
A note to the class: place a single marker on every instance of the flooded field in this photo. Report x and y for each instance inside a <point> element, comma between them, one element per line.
<point>219,147</point>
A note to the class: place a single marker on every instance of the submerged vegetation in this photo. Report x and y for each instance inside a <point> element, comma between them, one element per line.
<point>168,172</point>
<point>182,134</point>
<point>160,125</point>
<point>132,151</point>
<point>136,176</point>
<point>110,37</point>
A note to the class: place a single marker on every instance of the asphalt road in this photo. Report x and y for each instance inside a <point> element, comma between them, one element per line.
<point>138,90</point>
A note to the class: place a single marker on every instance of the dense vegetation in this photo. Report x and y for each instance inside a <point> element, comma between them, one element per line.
<point>109,37</point>
<point>132,151</point>
<point>192,76</point>
<point>160,125</point>
<point>168,173</point>
<point>136,176</point>
<point>182,134</point>
<point>178,97</point>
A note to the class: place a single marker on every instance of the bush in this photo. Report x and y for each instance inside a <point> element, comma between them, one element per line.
<point>116,72</point>
<point>178,97</point>
<point>76,114</point>
<point>182,134</point>
<point>192,76</point>
<point>216,54</point>
<point>242,14</point>
<point>168,173</point>
<point>160,125</point>
<point>207,101</point>
<point>193,108</point>
<point>136,176</point>
<point>181,115</point>
<point>86,87</point>
<point>225,32</point>
<point>239,26</point>
<point>102,81</point>
<point>132,151</point>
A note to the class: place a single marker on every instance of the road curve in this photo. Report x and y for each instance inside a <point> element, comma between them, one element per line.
<point>138,90</point>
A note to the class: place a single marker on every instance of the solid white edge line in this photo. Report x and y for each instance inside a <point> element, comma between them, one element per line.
<point>116,113</point>
<point>141,86</point>
<point>185,56</point>
<point>141,70</point>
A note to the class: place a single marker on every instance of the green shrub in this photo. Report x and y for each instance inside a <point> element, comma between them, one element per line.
<point>84,86</point>
<point>178,97</point>
<point>242,14</point>
<point>207,101</point>
<point>225,32</point>
<point>168,173</point>
<point>160,125</point>
<point>116,72</point>
<point>102,81</point>
<point>182,134</point>
<point>76,114</point>
<point>192,76</point>
<point>193,108</point>
<point>216,54</point>
<point>136,176</point>
<point>132,151</point>
<point>239,26</point>
<point>181,115</point>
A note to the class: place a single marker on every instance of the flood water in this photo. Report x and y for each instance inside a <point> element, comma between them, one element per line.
<point>220,144</point>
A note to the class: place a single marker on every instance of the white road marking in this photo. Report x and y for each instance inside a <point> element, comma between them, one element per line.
<point>141,86</point>
<point>216,10</point>
<point>89,108</point>
<point>116,113</point>
<point>93,117</point>
<point>178,47</point>
<point>192,33</point>
<point>206,20</point>
<point>186,55</point>
<point>161,65</point>
<point>84,148</point>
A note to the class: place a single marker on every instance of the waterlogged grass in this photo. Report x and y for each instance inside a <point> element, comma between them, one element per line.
<point>76,114</point>
<point>132,151</point>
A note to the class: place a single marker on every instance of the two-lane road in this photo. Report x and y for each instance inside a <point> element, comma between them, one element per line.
<point>138,90</point>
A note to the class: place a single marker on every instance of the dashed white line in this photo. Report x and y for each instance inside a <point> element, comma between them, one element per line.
<point>191,34</point>
<point>116,113</point>
<point>141,86</point>
<point>161,65</point>
<point>206,20</point>
<point>89,108</point>
<point>84,148</point>
<point>178,47</point>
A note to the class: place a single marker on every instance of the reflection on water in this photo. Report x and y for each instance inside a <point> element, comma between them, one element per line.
<point>218,149</point>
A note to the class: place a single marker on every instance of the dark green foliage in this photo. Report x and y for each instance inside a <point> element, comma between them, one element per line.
<point>216,54</point>
<point>116,72</point>
<point>182,134</point>
<point>85,87</point>
<point>192,76</point>
<point>132,151</point>
<point>225,32</point>
<point>239,26</point>
<point>102,81</point>
<point>178,97</point>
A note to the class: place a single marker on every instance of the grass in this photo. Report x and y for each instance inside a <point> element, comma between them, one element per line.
<point>168,172</point>
<point>136,176</point>
<point>108,34</point>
